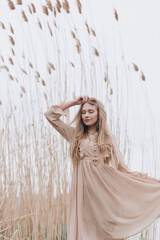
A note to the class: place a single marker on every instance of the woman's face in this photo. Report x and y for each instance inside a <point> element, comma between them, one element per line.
<point>89,114</point>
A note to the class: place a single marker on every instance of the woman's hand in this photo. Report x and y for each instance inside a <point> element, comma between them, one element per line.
<point>80,100</point>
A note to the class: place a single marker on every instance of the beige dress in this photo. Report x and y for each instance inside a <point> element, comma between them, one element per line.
<point>105,203</point>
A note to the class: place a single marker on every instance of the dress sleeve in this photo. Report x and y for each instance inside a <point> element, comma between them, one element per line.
<point>53,116</point>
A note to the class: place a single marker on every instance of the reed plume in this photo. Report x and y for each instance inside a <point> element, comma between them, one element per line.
<point>55,13</point>
<point>11,5</point>
<point>78,46</point>
<point>72,64</point>
<point>24,71</point>
<point>30,10</point>
<point>11,40</point>
<point>143,76</point>
<point>87,27</point>
<point>11,29</point>
<point>135,67</point>
<point>50,30</point>
<point>23,89</point>
<point>11,61</point>
<point>66,6</point>
<point>19,2</point>
<point>45,10</point>
<point>51,66</point>
<point>2,25</point>
<point>33,7</point>
<point>58,5</point>
<point>37,74</point>
<point>79,5</point>
<point>39,24</point>
<point>93,32</point>
<point>24,16</point>
<point>116,14</point>
<point>11,77</point>
<point>96,52</point>
<point>13,52</point>
<point>5,67</point>
<point>49,5</point>
<point>30,64</point>
<point>43,82</point>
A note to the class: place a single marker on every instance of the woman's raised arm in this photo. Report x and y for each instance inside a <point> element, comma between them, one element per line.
<point>56,111</point>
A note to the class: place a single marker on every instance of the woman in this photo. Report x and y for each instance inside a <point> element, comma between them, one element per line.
<point>107,200</point>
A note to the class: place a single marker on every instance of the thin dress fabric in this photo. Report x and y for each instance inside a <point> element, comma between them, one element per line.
<point>105,203</point>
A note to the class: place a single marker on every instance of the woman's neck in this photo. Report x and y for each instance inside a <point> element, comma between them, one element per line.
<point>92,129</point>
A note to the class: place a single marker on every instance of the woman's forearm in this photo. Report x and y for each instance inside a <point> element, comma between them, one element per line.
<point>66,105</point>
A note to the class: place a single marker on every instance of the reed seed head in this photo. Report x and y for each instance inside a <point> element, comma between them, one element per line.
<point>11,40</point>
<point>30,10</point>
<point>66,6</point>
<point>24,71</point>
<point>51,66</point>
<point>2,25</point>
<point>24,16</point>
<point>78,46</point>
<point>39,24</point>
<point>79,5</point>
<point>11,5</point>
<point>23,89</point>
<point>33,7</point>
<point>5,67</point>
<point>13,52</point>
<point>55,13</point>
<point>11,61</point>
<point>45,10</point>
<point>87,27</point>
<point>49,5</point>
<point>11,29</point>
<point>93,32</point>
<point>11,77</point>
<point>43,82</point>
<point>135,67</point>
<point>19,2</point>
<point>116,14</point>
<point>50,30</point>
<point>96,52</point>
<point>58,6</point>
<point>143,76</point>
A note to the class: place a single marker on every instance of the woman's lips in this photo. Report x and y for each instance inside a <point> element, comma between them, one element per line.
<point>87,120</point>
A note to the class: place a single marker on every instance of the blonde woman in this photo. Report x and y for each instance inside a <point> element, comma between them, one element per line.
<point>107,200</point>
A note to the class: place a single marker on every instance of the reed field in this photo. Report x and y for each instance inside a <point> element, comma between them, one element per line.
<point>50,53</point>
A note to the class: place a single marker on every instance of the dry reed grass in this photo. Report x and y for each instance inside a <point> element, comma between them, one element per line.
<point>32,165</point>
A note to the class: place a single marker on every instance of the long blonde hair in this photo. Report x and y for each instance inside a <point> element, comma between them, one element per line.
<point>104,139</point>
